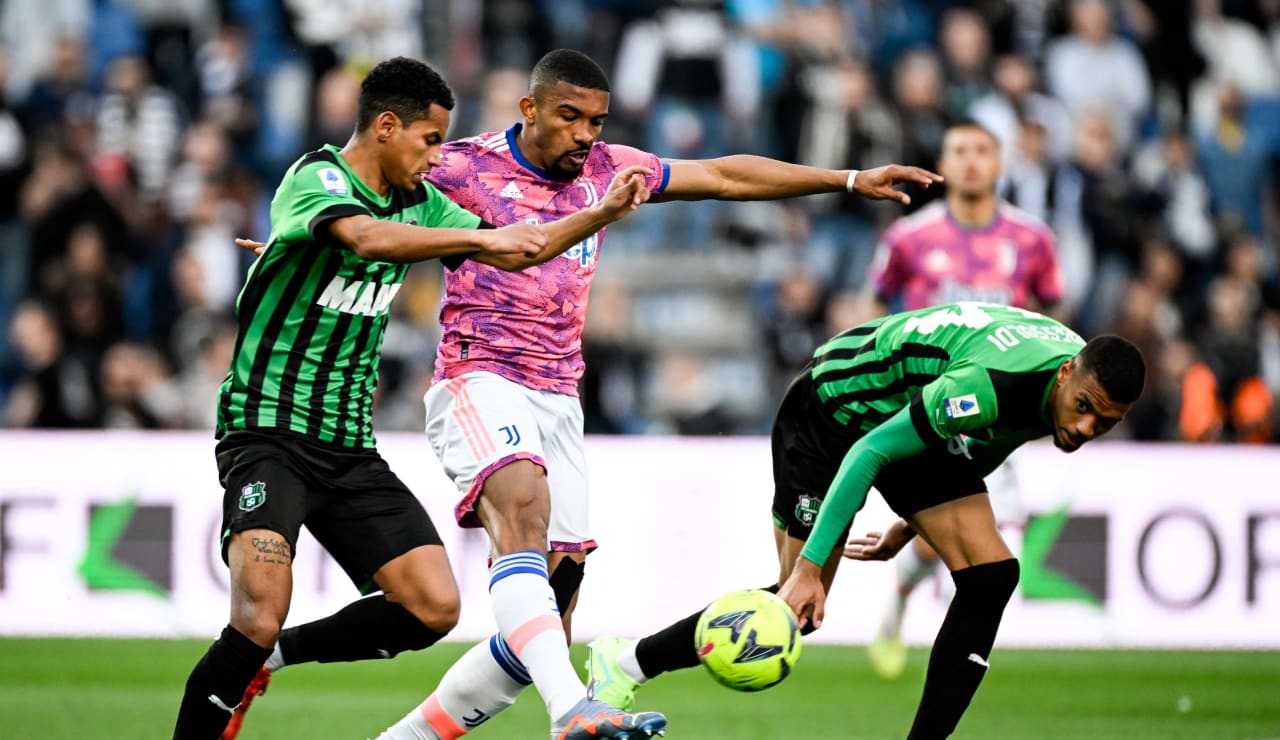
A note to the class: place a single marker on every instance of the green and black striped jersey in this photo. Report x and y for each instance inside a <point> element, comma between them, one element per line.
<point>976,375</point>
<point>983,370</point>
<point>312,314</point>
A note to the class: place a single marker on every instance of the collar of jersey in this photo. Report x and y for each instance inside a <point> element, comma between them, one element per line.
<point>359,189</point>
<point>512,134</point>
<point>988,226</point>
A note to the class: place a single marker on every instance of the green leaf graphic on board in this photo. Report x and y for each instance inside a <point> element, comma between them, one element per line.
<point>99,568</point>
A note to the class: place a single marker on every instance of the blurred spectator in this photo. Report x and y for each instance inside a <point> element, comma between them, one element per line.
<point>137,391</point>
<point>15,165</point>
<point>1238,57</point>
<point>1236,154</point>
<point>794,325</point>
<point>54,389</point>
<point>65,78</point>
<point>1169,169</point>
<point>30,30</point>
<point>680,72</point>
<point>1073,66</point>
<point>497,110</point>
<point>336,99</point>
<point>615,367</point>
<point>686,399</point>
<point>1223,396</point>
<point>139,126</point>
<point>201,377</point>
<point>1162,28</point>
<point>966,57</point>
<point>1015,101</point>
<point>884,30</point>
<point>1114,210</point>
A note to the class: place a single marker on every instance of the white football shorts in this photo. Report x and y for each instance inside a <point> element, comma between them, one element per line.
<point>480,421</point>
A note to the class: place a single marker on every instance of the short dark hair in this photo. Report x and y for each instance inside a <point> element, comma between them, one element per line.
<point>1117,364</point>
<point>971,123</point>
<point>404,86</point>
<point>568,65</point>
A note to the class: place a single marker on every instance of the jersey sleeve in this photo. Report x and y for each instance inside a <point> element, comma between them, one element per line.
<point>888,271</point>
<point>955,402</point>
<point>1047,284</point>
<point>310,200</point>
<point>443,213</point>
<point>626,156</point>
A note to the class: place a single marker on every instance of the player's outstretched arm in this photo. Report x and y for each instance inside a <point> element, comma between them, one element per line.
<point>626,192</point>
<point>748,177</point>
<point>417,243</point>
<point>388,241</point>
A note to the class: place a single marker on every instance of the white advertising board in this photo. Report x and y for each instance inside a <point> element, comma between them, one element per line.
<point>1126,545</point>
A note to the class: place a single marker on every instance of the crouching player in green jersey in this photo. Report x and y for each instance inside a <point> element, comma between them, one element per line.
<point>296,442</point>
<point>921,405</point>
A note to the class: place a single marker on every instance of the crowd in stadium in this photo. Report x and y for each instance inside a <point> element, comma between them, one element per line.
<point>138,138</point>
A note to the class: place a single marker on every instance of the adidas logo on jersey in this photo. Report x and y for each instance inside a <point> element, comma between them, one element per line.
<point>511,191</point>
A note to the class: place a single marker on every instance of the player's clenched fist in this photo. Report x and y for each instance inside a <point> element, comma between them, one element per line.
<point>626,192</point>
<point>527,240</point>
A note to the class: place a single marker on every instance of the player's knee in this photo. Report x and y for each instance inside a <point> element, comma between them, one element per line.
<point>418,628</point>
<point>992,582</point>
<point>437,612</point>
<point>565,580</point>
<point>440,617</point>
<point>257,622</point>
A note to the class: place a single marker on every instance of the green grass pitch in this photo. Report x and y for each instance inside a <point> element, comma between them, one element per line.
<point>129,689</point>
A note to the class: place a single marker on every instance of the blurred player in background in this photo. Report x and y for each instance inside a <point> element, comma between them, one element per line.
<point>503,414</point>
<point>296,444</point>
<point>970,246</point>
<point>922,405</point>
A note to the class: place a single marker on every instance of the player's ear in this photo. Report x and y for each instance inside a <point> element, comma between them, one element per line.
<point>385,125</point>
<point>528,107</point>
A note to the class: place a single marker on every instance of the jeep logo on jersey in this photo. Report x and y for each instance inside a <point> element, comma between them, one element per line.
<point>807,509</point>
<point>584,252</point>
<point>253,495</point>
<point>366,299</point>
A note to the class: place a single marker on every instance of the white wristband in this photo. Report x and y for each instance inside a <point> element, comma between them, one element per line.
<point>848,185</point>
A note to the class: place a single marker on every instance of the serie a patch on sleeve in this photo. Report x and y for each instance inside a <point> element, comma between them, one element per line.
<point>333,181</point>
<point>961,406</point>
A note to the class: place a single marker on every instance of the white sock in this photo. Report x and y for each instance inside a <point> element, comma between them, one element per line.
<point>629,664</point>
<point>275,661</point>
<point>483,682</point>
<point>525,608</point>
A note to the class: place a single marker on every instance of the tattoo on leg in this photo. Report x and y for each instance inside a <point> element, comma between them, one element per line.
<point>270,550</point>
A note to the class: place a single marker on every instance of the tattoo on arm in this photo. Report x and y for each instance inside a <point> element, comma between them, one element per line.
<point>271,550</point>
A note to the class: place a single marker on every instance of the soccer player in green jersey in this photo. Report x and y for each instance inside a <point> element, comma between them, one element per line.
<point>296,444</point>
<point>922,405</point>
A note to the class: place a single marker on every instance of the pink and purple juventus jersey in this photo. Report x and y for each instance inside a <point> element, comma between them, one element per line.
<point>525,326</point>
<point>928,259</point>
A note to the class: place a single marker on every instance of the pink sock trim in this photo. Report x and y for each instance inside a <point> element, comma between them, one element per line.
<point>531,629</point>
<point>440,720</point>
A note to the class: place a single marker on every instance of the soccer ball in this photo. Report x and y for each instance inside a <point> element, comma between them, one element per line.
<point>748,640</point>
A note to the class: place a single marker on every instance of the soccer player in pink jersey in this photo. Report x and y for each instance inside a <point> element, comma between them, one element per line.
<point>503,413</point>
<point>970,246</point>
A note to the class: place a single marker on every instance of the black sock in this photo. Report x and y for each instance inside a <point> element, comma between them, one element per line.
<point>224,672</point>
<point>362,630</point>
<point>960,652</point>
<point>674,647</point>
